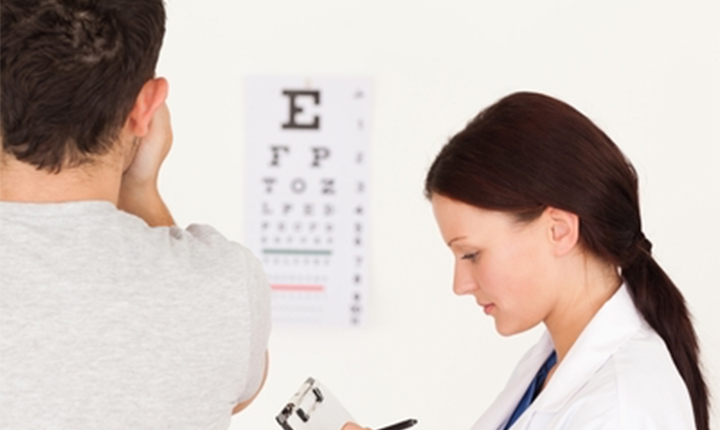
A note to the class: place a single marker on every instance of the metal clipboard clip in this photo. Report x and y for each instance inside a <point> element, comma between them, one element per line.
<point>313,407</point>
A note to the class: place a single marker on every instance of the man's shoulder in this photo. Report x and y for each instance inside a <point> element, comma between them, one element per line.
<point>95,234</point>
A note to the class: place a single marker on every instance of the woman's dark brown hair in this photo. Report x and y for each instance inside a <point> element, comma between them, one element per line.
<point>528,152</point>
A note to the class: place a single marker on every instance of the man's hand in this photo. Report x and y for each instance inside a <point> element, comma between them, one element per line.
<point>138,190</point>
<point>150,152</point>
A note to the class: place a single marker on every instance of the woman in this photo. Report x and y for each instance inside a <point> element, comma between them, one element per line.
<point>540,209</point>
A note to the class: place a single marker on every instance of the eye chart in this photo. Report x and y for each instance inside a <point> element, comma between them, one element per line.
<point>307,195</point>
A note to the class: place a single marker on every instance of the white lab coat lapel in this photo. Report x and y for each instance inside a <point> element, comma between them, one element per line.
<point>504,405</point>
<point>616,322</point>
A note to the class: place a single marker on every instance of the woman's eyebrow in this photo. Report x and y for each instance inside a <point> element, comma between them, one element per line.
<point>456,239</point>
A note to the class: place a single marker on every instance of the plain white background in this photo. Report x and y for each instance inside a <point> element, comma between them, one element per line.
<point>648,73</point>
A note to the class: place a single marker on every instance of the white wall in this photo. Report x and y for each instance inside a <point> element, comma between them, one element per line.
<point>647,72</point>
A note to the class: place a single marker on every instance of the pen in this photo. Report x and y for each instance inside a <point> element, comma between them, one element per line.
<point>401,425</point>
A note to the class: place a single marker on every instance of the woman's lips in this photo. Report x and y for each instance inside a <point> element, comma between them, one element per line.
<point>488,308</point>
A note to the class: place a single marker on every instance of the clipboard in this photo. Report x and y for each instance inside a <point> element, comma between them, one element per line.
<point>313,407</point>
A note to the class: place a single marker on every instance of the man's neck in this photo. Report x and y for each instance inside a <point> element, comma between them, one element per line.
<point>22,182</point>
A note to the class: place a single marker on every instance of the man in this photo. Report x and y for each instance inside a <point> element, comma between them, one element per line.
<point>110,316</point>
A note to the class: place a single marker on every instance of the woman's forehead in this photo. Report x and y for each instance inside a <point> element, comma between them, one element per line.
<point>459,221</point>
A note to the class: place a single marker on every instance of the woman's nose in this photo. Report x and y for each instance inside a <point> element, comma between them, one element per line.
<point>463,281</point>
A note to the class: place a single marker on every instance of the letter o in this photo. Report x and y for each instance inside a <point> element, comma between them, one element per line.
<point>298,186</point>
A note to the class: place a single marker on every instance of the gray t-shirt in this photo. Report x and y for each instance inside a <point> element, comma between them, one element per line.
<point>106,323</point>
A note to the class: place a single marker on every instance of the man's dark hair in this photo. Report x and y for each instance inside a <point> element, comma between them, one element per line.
<point>71,72</point>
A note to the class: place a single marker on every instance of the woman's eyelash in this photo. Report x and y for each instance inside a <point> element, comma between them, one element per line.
<point>470,256</point>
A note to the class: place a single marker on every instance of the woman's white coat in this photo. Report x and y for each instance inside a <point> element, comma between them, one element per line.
<point>617,375</point>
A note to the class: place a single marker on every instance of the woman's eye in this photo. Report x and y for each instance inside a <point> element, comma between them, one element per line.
<point>472,256</point>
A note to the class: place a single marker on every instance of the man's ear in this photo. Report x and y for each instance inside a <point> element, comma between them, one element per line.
<point>152,95</point>
<point>564,230</point>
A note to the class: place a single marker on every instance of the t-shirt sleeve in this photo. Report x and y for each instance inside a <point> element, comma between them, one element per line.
<point>255,287</point>
<point>259,300</point>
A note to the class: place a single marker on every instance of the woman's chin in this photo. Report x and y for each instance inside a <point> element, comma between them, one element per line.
<point>505,329</point>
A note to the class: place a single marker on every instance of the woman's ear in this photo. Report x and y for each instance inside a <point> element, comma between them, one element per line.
<point>152,95</point>
<point>564,230</point>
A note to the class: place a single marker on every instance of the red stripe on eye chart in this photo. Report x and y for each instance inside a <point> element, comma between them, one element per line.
<point>298,287</point>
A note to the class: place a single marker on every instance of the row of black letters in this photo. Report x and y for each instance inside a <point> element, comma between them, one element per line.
<point>318,155</point>
<point>300,185</point>
<point>308,209</point>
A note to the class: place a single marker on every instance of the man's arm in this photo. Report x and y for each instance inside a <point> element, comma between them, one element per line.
<point>242,405</point>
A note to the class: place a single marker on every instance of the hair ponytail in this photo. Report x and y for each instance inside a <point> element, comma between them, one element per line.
<point>529,151</point>
<point>663,307</point>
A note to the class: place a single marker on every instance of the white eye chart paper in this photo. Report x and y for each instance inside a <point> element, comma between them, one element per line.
<point>307,195</point>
